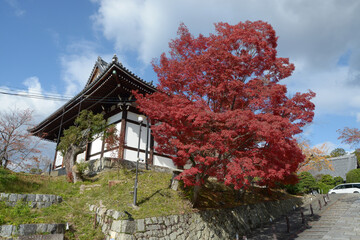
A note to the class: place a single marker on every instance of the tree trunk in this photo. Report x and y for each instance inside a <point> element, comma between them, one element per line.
<point>6,163</point>
<point>4,160</point>
<point>70,159</point>
<point>197,189</point>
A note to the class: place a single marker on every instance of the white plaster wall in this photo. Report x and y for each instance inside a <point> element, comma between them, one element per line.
<point>59,159</point>
<point>114,118</point>
<point>132,155</point>
<point>80,157</point>
<point>118,128</point>
<point>132,136</point>
<point>96,146</point>
<point>111,154</point>
<point>97,156</point>
<point>163,162</point>
<point>134,117</point>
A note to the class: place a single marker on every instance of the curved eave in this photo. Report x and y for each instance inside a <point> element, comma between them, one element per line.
<point>69,110</point>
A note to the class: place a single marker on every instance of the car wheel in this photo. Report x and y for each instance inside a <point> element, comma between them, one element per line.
<point>333,193</point>
<point>356,192</point>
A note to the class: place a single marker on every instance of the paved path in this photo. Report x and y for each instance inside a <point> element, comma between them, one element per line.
<point>338,220</point>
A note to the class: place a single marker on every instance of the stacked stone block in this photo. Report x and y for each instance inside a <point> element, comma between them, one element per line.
<point>7,231</point>
<point>210,224</point>
<point>35,200</point>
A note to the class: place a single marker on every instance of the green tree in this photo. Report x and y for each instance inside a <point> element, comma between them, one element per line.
<point>307,182</point>
<point>353,176</point>
<point>338,180</point>
<point>326,183</point>
<point>337,152</point>
<point>357,154</point>
<point>328,180</point>
<point>87,127</point>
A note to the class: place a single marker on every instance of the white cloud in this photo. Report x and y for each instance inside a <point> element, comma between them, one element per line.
<point>31,98</point>
<point>326,146</point>
<point>313,34</point>
<point>77,65</point>
<point>16,7</point>
<point>316,32</point>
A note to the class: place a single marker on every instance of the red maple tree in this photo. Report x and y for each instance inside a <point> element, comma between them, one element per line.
<point>220,107</point>
<point>349,135</point>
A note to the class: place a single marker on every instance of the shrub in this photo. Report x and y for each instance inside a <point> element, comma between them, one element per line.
<point>292,188</point>
<point>307,182</point>
<point>81,167</point>
<point>353,176</point>
<point>324,188</point>
<point>338,180</point>
<point>328,180</point>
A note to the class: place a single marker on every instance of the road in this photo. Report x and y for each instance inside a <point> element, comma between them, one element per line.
<point>339,219</point>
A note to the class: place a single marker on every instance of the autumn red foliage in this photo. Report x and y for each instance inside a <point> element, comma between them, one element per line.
<point>220,107</point>
<point>349,135</point>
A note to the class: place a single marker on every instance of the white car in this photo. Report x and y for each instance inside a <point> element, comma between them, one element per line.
<point>346,188</point>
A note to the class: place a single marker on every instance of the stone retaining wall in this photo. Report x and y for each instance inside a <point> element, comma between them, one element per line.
<point>8,231</point>
<point>35,200</point>
<point>210,224</point>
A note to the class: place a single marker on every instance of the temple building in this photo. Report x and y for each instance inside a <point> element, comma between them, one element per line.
<point>107,91</point>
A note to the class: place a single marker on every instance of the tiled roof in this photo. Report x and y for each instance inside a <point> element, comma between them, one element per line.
<point>104,66</point>
<point>341,165</point>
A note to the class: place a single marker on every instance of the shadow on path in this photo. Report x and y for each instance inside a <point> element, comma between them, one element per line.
<point>290,226</point>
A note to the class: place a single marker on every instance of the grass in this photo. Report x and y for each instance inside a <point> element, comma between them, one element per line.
<point>155,198</point>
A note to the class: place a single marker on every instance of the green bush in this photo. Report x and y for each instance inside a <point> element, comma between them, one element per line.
<point>324,188</point>
<point>353,176</point>
<point>292,188</point>
<point>307,182</point>
<point>81,167</point>
<point>338,180</point>
<point>328,180</point>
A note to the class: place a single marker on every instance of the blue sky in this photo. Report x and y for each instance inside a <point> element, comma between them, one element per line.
<point>49,47</point>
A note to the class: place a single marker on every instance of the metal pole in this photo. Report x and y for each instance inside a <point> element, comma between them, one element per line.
<point>302,217</point>
<point>147,144</point>
<point>287,224</point>
<point>137,166</point>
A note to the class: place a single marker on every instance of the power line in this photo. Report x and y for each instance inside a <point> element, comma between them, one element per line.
<point>54,97</point>
<point>35,96</point>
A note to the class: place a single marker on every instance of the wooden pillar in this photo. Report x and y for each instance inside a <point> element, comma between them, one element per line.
<point>102,148</point>
<point>87,151</point>
<point>122,135</point>
<point>151,159</point>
